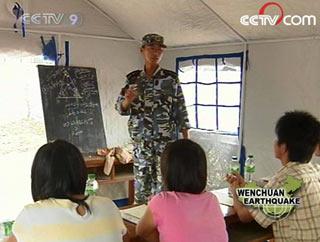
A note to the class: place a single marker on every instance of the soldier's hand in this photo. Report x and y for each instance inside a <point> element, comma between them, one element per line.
<point>131,93</point>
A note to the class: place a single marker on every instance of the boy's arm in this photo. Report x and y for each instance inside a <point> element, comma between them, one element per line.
<point>236,181</point>
<point>248,214</point>
<point>242,212</point>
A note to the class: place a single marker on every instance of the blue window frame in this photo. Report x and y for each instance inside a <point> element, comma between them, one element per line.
<point>212,87</point>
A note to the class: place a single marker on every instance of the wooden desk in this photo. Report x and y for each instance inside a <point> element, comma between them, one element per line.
<point>119,173</point>
<point>237,231</point>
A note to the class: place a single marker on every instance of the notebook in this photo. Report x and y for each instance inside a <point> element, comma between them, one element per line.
<point>223,198</point>
<point>133,214</point>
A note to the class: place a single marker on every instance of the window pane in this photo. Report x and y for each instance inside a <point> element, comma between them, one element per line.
<point>207,94</point>
<point>229,94</point>
<point>185,63</point>
<point>206,62</point>
<point>189,93</point>
<point>207,74</point>
<point>187,73</point>
<point>234,62</point>
<point>228,119</point>
<point>192,115</point>
<point>229,76</point>
<point>207,117</point>
<point>229,71</point>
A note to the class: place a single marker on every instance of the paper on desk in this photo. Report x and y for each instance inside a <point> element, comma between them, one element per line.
<point>223,198</point>
<point>133,214</point>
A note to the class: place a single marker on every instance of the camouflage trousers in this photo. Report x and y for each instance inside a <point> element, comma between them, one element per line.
<point>146,169</point>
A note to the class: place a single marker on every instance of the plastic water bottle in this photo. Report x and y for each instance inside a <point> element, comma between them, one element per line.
<point>235,165</point>
<point>2,236</point>
<point>91,185</point>
<point>250,168</point>
<point>5,230</point>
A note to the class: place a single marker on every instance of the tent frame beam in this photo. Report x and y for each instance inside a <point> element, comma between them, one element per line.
<point>316,37</point>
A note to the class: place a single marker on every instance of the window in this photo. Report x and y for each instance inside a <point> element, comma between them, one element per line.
<point>212,88</point>
<point>22,129</point>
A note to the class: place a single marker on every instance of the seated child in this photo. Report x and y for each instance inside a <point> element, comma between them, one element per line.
<point>61,211</point>
<point>184,212</point>
<point>297,137</point>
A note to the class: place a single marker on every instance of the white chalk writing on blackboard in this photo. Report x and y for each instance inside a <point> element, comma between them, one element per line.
<point>71,106</point>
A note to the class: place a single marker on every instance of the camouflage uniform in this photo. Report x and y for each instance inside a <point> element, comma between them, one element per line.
<point>156,116</point>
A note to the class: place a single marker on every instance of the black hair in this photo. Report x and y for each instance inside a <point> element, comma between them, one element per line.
<point>59,171</point>
<point>184,167</point>
<point>300,132</point>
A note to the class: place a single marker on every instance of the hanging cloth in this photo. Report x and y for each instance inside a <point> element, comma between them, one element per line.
<point>18,12</point>
<point>49,50</point>
<point>66,51</point>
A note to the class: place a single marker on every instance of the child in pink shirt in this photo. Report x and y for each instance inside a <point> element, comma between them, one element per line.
<point>184,212</point>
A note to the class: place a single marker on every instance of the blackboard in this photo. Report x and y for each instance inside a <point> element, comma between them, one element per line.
<point>71,106</point>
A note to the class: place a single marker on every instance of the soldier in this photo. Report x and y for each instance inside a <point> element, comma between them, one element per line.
<point>154,100</point>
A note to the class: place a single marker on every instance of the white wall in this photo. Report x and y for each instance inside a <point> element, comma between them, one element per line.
<point>112,60</point>
<point>281,76</point>
<point>13,42</point>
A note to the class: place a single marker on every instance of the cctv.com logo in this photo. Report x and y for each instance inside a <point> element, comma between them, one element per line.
<point>264,19</point>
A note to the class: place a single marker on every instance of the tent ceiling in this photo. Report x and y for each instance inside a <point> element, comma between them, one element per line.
<point>196,22</point>
<point>181,22</point>
<point>91,21</point>
<point>231,13</point>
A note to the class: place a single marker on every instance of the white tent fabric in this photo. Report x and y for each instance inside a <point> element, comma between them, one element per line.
<point>195,22</point>
<point>182,22</point>
<point>231,13</point>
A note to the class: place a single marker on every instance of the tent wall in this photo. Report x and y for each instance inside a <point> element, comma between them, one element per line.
<point>112,60</point>
<point>281,76</point>
<point>14,43</point>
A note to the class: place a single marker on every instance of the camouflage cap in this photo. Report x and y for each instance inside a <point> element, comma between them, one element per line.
<point>150,39</point>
